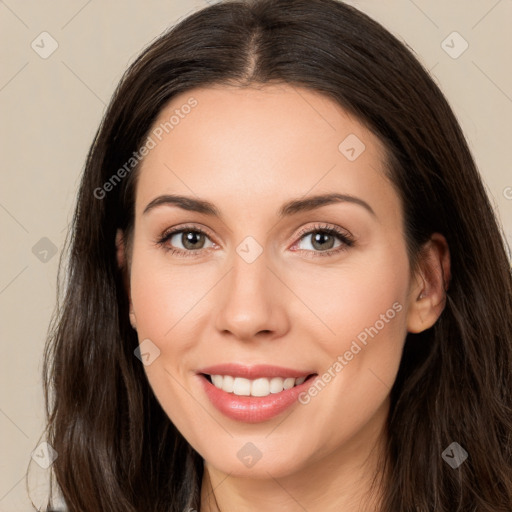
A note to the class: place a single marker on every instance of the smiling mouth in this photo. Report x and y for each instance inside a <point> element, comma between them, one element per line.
<point>260,387</point>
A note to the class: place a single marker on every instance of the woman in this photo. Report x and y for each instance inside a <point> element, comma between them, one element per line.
<point>287,289</point>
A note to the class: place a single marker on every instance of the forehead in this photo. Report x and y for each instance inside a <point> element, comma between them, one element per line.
<point>248,146</point>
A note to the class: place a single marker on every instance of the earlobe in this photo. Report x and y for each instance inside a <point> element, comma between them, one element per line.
<point>428,296</point>
<point>133,320</point>
<point>122,264</point>
<point>120,249</point>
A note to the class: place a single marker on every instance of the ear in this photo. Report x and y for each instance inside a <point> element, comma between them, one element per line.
<point>427,298</point>
<point>122,262</point>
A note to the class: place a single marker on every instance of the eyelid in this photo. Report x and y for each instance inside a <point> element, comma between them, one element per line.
<point>346,238</point>
<point>170,232</point>
<point>344,233</point>
<point>186,227</point>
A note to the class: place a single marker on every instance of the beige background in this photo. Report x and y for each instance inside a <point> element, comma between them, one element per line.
<point>50,109</point>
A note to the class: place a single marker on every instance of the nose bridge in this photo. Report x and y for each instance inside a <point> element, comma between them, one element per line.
<point>250,301</point>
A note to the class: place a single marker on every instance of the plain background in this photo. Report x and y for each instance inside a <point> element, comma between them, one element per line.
<point>51,107</point>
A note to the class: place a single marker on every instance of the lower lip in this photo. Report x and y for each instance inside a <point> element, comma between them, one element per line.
<point>253,409</point>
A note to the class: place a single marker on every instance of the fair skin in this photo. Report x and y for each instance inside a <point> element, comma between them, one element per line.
<point>248,151</point>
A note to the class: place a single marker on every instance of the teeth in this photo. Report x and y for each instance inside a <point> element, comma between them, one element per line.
<point>242,387</point>
<point>288,383</point>
<point>217,381</point>
<point>226,383</point>
<point>258,387</point>
<point>276,385</point>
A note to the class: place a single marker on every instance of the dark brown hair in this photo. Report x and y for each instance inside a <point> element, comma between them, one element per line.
<point>117,449</point>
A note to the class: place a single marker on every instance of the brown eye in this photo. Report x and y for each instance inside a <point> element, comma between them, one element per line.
<point>186,241</point>
<point>321,240</point>
<point>192,240</point>
<point>324,240</point>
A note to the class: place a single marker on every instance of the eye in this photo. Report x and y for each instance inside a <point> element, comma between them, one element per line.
<point>323,240</point>
<point>191,240</point>
<point>184,240</point>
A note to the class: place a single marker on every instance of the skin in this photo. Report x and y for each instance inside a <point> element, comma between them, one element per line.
<point>248,151</point>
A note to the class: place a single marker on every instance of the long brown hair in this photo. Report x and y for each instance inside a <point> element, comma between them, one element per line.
<point>117,449</point>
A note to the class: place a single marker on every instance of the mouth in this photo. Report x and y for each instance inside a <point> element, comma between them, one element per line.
<point>259,387</point>
<point>256,393</point>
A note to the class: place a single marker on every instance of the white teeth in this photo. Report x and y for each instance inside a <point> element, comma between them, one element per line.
<point>226,383</point>
<point>276,385</point>
<point>258,387</point>
<point>289,383</point>
<point>242,387</point>
<point>217,381</point>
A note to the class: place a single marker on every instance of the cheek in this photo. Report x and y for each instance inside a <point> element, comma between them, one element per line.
<point>164,300</point>
<point>363,298</point>
<point>364,310</point>
<point>165,296</point>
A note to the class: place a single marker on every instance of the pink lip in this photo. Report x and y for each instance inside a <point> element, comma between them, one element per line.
<point>254,372</point>
<point>252,409</point>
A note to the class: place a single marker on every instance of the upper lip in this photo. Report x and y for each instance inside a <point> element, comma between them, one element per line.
<point>254,371</point>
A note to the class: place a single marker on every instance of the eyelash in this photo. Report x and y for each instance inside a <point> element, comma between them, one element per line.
<point>346,240</point>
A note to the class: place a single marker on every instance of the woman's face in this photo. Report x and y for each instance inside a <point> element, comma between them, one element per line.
<point>255,285</point>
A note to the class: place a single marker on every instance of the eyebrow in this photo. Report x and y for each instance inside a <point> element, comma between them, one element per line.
<point>289,208</point>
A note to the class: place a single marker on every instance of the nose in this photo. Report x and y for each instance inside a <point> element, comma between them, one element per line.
<point>251,301</point>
